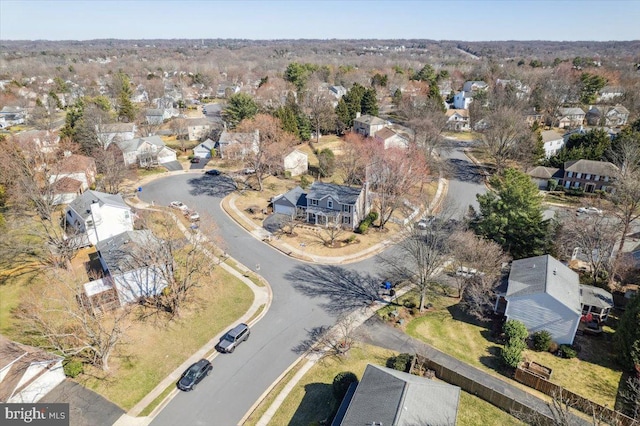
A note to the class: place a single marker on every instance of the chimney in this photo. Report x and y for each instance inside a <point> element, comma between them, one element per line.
<point>357,114</point>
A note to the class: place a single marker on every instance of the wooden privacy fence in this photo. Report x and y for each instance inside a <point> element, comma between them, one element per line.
<point>574,400</point>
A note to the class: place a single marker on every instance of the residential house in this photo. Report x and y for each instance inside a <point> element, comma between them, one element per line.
<point>457,120</point>
<point>570,117</point>
<point>331,204</point>
<point>140,94</point>
<point>225,90</point>
<point>135,265</point>
<point>203,150</point>
<point>296,163</point>
<point>146,151</point>
<point>237,145</point>
<point>12,116</point>
<point>368,125</point>
<point>337,91</point>
<point>74,175</point>
<point>521,90</point>
<point>292,203</point>
<point>391,139</point>
<point>462,100</point>
<point>589,175</point>
<point>198,128</point>
<point>609,93</point>
<point>385,396</point>
<point>611,116</point>
<point>532,116</point>
<point>95,216</point>
<point>545,294</point>
<point>27,373</point>
<point>157,116</point>
<point>552,142</point>
<point>39,140</point>
<point>472,86</point>
<point>116,132</point>
<point>541,176</point>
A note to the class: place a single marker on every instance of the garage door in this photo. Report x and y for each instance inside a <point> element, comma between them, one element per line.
<point>284,209</point>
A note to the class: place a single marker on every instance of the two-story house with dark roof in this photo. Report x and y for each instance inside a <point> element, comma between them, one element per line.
<point>589,175</point>
<point>328,203</point>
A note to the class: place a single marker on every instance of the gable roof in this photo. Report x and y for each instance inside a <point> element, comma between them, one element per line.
<point>390,397</point>
<point>15,359</point>
<point>571,111</point>
<point>385,133</point>
<point>550,135</point>
<point>206,145</point>
<point>296,197</point>
<point>130,250</point>
<point>297,152</point>
<point>461,112</point>
<point>474,85</point>
<point>76,163</point>
<point>228,138</point>
<point>82,204</point>
<point>134,144</point>
<point>370,120</point>
<point>602,168</point>
<point>595,296</point>
<point>66,185</point>
<point>544,274</point>
<point>341,193</point>
<point>118,128</point>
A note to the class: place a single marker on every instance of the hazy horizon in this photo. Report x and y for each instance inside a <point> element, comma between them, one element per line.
<point>468,21</point>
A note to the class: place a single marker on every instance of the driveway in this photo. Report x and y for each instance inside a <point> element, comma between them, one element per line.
<point>87,408</point>
<point>200,165</point>
<point>305,297</point>
<point>172,166</point>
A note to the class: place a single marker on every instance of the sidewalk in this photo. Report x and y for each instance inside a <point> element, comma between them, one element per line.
<point>262,300</point>
<point>264,235</point>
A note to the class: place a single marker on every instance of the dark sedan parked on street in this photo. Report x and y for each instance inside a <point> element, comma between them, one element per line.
<point>194,374</point>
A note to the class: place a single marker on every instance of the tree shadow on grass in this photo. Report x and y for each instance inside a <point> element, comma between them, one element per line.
<point>317,405</point>
<point>344,290</point>
<point>213,186</point>
<point>493,360</point>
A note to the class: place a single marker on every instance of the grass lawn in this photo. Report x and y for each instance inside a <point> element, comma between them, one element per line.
<point>155,348</point>
<point>462,136</point>
<point>593,374</point>
<point>312,400</point>
<point>13,285</point>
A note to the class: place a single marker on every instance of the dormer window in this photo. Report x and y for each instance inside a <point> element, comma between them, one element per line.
<point>330,204</point>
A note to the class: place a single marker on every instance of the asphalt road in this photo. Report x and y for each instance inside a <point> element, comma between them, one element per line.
<point>305,296</point>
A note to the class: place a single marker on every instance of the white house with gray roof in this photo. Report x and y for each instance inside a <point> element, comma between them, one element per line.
<point>203,150</point>
<point>95,216</point>
<point>368,125</point>
<point>146,151</point>
<point>545,294</point>
<point>385,396</point>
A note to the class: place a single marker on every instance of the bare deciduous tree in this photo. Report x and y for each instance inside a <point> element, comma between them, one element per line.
<point>61,319</point>
<point>351,165</point>
<point>332,229</point>
<point>331,341</point>
<point>318,106</point>
<point>476,263</point>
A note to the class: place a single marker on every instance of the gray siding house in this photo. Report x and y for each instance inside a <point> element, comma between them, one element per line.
<point>291,203</point>
<point>545,294</point>
<point>328,203</point>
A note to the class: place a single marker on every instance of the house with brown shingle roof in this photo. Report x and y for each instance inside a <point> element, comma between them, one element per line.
<point>74,174</point>
<point>391,139</point>
<point>458,120</point>
<point>27,373</point>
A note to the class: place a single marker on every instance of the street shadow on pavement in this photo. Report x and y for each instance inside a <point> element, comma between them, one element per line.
<point>213,186</point>
<point>464,171</point>
<point>343,289</point>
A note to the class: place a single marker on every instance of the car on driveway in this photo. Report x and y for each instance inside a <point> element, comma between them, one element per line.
<point>194,375</point>
<point>233,338</point>
<point>213,172</point>
<point>590,210</point>
<point>192,215</point>
<point>195,160</point>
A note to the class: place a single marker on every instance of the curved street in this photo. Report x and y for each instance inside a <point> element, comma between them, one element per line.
<point>305,296</point>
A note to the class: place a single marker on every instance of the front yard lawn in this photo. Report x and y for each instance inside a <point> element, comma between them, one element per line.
<point>593,374</point>
<point>312,401</point>
<point>155,347</point>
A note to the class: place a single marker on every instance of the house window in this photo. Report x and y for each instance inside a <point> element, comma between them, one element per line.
<point>606,178</point>
<point>347,208</point>
<point>330,204</point>
<point>576,184</point>
<point>596,178</point>
<point>314,202</point>
<point>569,174</point>
<point>579,175</point>
<point>346,219</point>
<point>587,177</point>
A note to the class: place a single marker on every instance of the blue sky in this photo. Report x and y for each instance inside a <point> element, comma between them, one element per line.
<point>366,19</point>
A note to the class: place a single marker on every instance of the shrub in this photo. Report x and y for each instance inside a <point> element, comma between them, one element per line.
<point>341,383</point>
<point>72,367</point>
<point>541,340</point>
<point>516,343</point>
<point>372,216</point>
<point>401,362</point>
<point>362,228</point>
<point>287,174</point>
<point>567,351</point>
<point>409,303</point>
<point>553,347</point>
<point>351,239</point>
<point>304,182</point>
<point>515,330</point>
<point>511,356</point>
